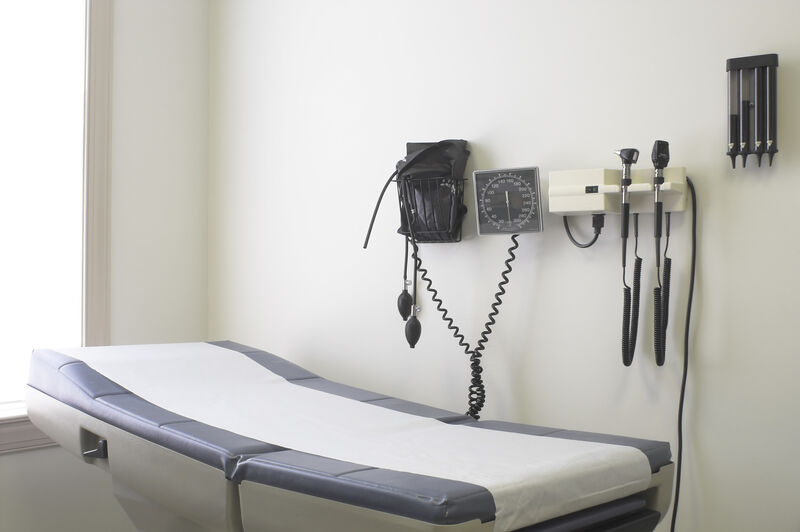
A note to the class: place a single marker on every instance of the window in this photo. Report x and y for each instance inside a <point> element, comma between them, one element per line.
<point>42,53</point>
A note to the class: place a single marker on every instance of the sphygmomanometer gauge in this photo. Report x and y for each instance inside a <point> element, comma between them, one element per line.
<point>507,201</point>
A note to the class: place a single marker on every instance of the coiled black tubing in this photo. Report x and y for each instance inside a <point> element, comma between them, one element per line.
<point>661,305</point>
<point>477,389</point>
<point>462,342</point>
<point>630,301</point>
<point>477,392</point>
<point>661,314</point>
<point>658,333</point>
<point>665,291</point>
<point>630,313</point>
<point>626,325</point>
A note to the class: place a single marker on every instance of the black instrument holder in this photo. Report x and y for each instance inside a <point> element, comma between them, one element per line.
<point>752,107</point>
<point>430,187</point>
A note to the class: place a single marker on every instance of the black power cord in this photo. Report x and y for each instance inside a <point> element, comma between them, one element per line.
<point>679,464</point>
<point>598,220</point>
<point>477,390</point>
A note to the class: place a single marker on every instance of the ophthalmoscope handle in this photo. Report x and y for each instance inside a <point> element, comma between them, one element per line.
<point>660,158</point>
<point>626,210</point>
<point>659,210</point>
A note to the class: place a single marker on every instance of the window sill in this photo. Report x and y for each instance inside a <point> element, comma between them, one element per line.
<point>17,433</point>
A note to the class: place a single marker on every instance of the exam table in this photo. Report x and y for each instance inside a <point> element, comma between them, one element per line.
<point>224,437</point>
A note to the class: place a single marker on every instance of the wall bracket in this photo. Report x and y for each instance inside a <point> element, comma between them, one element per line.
<point>595,191</point>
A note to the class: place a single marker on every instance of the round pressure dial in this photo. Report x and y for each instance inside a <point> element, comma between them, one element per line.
<point>507,201</point>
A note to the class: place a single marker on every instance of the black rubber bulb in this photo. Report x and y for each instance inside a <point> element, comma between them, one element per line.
<point>413,331</point>
<point>404,302</point>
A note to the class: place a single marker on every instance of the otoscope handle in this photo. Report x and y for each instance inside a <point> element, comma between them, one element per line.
<point>626,211</point>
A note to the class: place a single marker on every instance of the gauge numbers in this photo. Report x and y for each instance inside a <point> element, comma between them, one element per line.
<point>507,201</point>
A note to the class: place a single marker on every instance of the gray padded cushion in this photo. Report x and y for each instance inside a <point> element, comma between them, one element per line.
<point>335,388</point>
<point>276,364</point>
<point>420,497</point>
<point>417,409</point>
<point>425,498</point>
<point>74,383</point>
<point>301,377</point>
<point>658,453</point>
<point>430,499</point>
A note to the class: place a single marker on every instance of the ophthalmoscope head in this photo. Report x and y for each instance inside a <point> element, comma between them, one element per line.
<point>660,154</point>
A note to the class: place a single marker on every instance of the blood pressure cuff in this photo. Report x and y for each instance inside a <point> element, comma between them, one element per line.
<point>430,184</point>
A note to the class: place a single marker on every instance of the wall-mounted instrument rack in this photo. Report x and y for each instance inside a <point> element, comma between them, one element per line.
<point>752,107</point>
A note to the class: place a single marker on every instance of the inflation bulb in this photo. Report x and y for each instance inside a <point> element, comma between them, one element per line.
<point>404,303</point>
<point>413,331</point>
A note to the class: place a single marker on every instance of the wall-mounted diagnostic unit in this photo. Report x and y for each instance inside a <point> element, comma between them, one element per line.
<point>599,190</point>
<point>430,195</point>
<point>628,192</point>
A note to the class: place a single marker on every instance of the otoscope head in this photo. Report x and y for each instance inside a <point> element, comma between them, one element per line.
<point>628,155</point>
<point>660,154</point>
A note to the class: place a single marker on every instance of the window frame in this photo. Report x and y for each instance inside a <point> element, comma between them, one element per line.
<point>97,167</point>
<point>17,433</point>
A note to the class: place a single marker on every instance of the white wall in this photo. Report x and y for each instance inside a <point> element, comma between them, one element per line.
<point>159,143</point>
<point>311,104</point>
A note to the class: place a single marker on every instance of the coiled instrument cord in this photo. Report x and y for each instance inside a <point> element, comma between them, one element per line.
<point>477,390</point>
<point>661,305</point>
<point>451,326</point>
<point>630,308</point>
